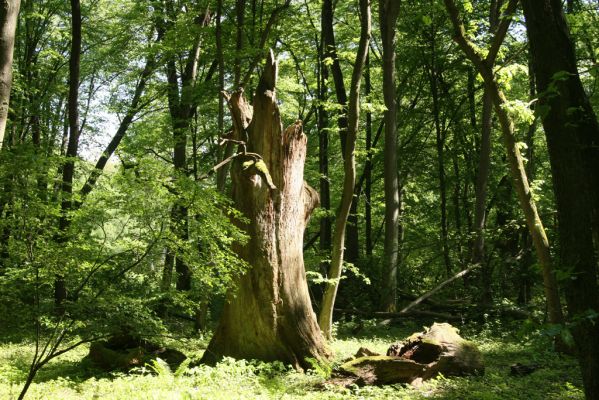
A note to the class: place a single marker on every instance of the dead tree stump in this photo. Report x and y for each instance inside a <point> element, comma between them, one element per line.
<point>269,316</point>
<point>424,355</point>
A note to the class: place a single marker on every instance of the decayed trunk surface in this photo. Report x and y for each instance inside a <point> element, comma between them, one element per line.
<point>572,134</point>
<point>423,355</point>
<point>9,10</point>
<point>269,316</point>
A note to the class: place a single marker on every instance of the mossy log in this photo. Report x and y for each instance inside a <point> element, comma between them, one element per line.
<point>423,355</point>
<point>124,352</point>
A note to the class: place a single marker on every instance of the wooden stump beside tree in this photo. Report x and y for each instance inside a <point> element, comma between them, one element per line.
<point>269,316</point>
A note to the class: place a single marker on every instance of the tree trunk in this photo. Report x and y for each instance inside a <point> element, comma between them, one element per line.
<point>221,174</point>
<point>388,14</point>
<point>480,190</point>
<point>482,179</point>
<point>519,178</point>
<point>269,315</point>
<point>434,75</point>
<point>368,168</point>
<point>325,319</point>
<point>60,289</point>
<point>9,11</point>
<point>323,159</point>
<point>330,51</point>
<point>352,238</point>
<point>441,134</point>
<point>182,106</point>
<point>132,111</point>
<point>572,136</point>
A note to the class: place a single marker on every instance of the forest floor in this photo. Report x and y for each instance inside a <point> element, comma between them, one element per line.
<point>68,378</point>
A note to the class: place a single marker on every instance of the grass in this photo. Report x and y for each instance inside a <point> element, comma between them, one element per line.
<point>68,378</point>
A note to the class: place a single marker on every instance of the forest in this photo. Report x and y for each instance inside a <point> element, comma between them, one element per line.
<point>299,199</point>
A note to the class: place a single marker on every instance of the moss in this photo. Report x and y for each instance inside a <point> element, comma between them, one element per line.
<point>353,365</point>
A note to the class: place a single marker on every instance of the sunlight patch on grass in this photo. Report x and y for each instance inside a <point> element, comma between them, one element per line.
<point>67,378</point>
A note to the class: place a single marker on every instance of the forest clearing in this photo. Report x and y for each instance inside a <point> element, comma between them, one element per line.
<point>239,199</point>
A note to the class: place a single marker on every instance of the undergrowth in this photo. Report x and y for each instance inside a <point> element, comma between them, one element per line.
<point>69,378</point>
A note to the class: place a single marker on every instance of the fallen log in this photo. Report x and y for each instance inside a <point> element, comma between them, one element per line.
<point>424,355</point>
<point>409,314</point>
<point>123,352</point>
<point>438,288</point>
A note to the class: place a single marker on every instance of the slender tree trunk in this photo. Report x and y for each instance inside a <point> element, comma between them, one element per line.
<point>352,237</point>
<point>9,11</point>
<point>457,198</point>
<point>240,20</point>
<point>325,319</point>
<point>480,193</point>
<point>519,178</point>
<point>388,15</point>
<point>60,289</point>
<point>440,138</point>
<point>572,134</point>
<point>182,107</point>
<point>330,52</point>
<point>269,316</point>
<point>132,111</point>
<point>440,145</point>
<point>352,252</point>
<point>323,158</point>
<point>482,179</point>
<point>368,168</point>
<point>221,175</point>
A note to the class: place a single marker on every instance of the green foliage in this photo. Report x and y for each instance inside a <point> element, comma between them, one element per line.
<point>231,379</point>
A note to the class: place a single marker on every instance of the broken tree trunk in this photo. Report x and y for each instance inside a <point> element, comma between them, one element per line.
<point>269,315</point>
<point>424,355</point>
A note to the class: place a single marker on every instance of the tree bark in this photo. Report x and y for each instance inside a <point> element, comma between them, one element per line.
<point>330,51</point>
<point>440,137</point>
<point>221,174</point>
<point>572,134</point>
<point>229,148</point>
<point>516,165</point>
<point>323,158</point>
<point>9,11</point>
<point>182,106</point>
<point>388,15</point>
<point>325,319</point>
<point>480,190</point>
<point>482,179</point>
<point>269,315</point>
<point>368,169</point>
<point>60,289</point>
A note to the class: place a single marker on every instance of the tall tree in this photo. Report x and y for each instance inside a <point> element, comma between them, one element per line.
<point>323,153</point>
<point>9,10</point>
<point>388,14</point>
<point>182,104</point>
<point>268,316</point>
<point>330,53</point>
<point>435,72</point>
<point>482,174</point>
<point>68,170</point>
<point>325,319</point>
<point>515,162</point>
<point>572,134</point>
